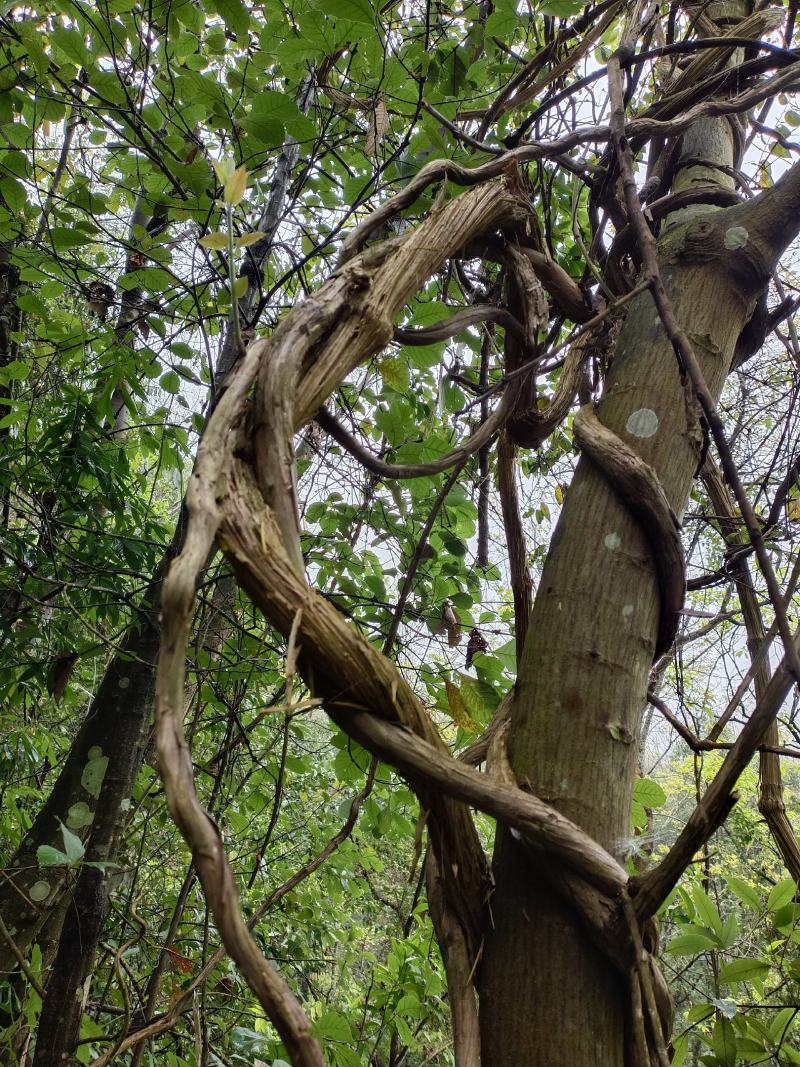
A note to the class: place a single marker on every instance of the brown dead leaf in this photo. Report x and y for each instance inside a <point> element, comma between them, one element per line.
<point>449,623</point>
<point>377,129</point>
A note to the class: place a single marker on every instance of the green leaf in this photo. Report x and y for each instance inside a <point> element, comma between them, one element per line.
<point>270,114</point>
<point>360,11</point>
<point>502,24</point>
<point>403,1031</point>
<point>723,1042</point>
<point>648,793</point>
<point>15,371</point>
<point>64,237</point>
<point>561,9</point>
<point>235,187</point>
<point>234,14</point>
<point>170,382</point>
<point>71,42</point>
<point>394,372</point>
<point>730,931</point>
<point>31,303</point>
<point>47,856</point>
<point>334,1026</point>
<point>478,697</point>
<point>681,1049</point>
<point>240,286</point>
<point>13,195</point>
<point>706,909</point>
<point>73,846</point>
<point>782,1023</point>
<point>743,971</point>
<point>781,894</point>
<point>244,240</point>
<point>690,944</point>
<point>744,892</point>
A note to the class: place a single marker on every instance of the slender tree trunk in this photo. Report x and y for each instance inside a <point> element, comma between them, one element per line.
<point>112,731</point>
<point>584,671</point>
<point>115,729</point>
<point>583,682</point>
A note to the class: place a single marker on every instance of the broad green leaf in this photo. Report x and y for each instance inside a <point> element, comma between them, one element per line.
<point>479,699</point>
<point>73,846</point>
<point>394,372</point>
<point>170,382</point>
<point>360,11</point>
<point>744,892</point>
<point>681,1049</point>
<point>730,931</point>
<point>502,24</point>
<point>234,14</point>
<point>689,944</point>
<point>15,371</point>
<point>647,792</point>
<point>706,908</point>
<point>72,43</point>
<point>47,856</point>
<point>743,971</point>
<point>333,1026</point>
<point>223,168</point>
<point>782,1024</point>
<point>13,195</point>
<point>781,894</point>
<point>723,1042</point>
<point>561,9</point>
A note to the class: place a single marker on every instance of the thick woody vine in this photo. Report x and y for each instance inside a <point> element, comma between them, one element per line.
<point>242,495</point>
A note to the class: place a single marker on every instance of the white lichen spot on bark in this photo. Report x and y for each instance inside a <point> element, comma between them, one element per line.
<point>94,772</point>
<point>39,890</point>
<point>612,541</point>
<point>123,683</point>
<point>642,423</point>
<point>79,815</point>
<point>736,237</point>
<point>627,611</point>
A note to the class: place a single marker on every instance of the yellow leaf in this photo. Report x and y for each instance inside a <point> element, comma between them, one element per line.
<point>793,510</point>
<point>223,169</point>
<point>244,240</point>
<point>214,240</point>
<point>457,709</point>
<point>560,493</point>
<point>235,187</point>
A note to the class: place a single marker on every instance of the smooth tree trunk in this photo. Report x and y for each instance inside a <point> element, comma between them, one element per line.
<point>548,999</point>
